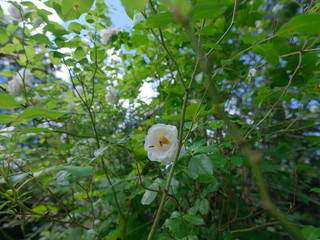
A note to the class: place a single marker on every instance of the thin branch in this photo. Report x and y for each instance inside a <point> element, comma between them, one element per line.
<point>254,228</point>
<point>278,101</point>
<point>162,42</point>
<point>229,28</point>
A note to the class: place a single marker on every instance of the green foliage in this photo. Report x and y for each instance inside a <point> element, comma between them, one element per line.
<point>239,80</point>
<point>131,6</point>
<point>8,101</point>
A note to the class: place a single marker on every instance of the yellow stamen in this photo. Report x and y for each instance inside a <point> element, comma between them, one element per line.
<point>164,140</point>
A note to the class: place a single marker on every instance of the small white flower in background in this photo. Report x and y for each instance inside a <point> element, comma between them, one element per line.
<point>37,100</point>
<point>314,109</point>
<point>15,87</point>
<point>258,23</point>
<point>14,13</point>
<point>107,33</point>
<point>277,8</point>
<point>37,22</point>
<point>252,72</point>
<point>23,74</point>
<point>192,101</point>
<point>78,90</point>
<point>258,26</point>
<point>111,95</point>
<point>161,143</point>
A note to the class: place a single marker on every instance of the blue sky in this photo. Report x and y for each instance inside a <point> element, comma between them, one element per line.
<point>119,17</point>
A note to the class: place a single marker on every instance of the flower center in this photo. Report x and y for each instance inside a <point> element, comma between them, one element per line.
<point>163,140</point>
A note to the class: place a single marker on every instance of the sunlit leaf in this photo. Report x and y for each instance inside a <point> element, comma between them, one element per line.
<point>306,24</point>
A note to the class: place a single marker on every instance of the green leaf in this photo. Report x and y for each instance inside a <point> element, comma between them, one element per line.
<point>44,14</point>
<point>33,112</point>
<point>139,39</point>
<point>194,219</point>
<point>201,166</point>
<point>5,118</point>
<point>306,24</point>
<point>18,178</point>
<point>207,149</point>
<point>79,53</point>
<point>268,51</point>
<point>192,109</point>
<point>317,190</point>
<point>62,178</point>
<point>227,236</point>
<point>75,27</point>
<point>213,186</point>
<point>35,130</point>
<point>216,123</point>
<point>213,45</point>
<point>100,151</point>
<point>40,38</point>
<point>98,55</point>
<point>8,101</point>
<point>208,10</point>
<point>1,13</point>
<point>44,208</point>
<point>249,38</point>
<point>311,232</point>
<point>160,20</point>
<point>80,172</point>
<point>315,8</point>
<point>131,6</point>
<point>56,29</point>
<point>204,206</point>
<point>73,9</point>
<point>10,48</point>
<point>149,196</point>
<point>29,51</point>
<point>4,38</point>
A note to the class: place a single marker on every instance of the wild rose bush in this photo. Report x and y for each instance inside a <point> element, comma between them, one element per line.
<point>200,122</point>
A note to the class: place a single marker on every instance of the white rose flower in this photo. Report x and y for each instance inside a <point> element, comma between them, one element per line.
<point>258,23</point>
<point>252,72</point>
<point>37,22</point>
<point>107,33</point>
<point>314,109</point>
<point>78,90</point>
<point>277,8</point>
<point>161,143</point>
<point>15,87</point>
<point>14,13</point>
<point>111,95</point>
<point>116,30</point>
<point>24,74</point>
<point>37,100</point>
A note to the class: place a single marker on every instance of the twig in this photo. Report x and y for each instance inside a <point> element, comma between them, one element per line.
<point>180,137</point>
<point>254,228</point>
<point>278,101</point>
<point>229,28</point>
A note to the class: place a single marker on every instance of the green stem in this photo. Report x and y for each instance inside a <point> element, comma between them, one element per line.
<point>265,197</point>
<point>182,117</point>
